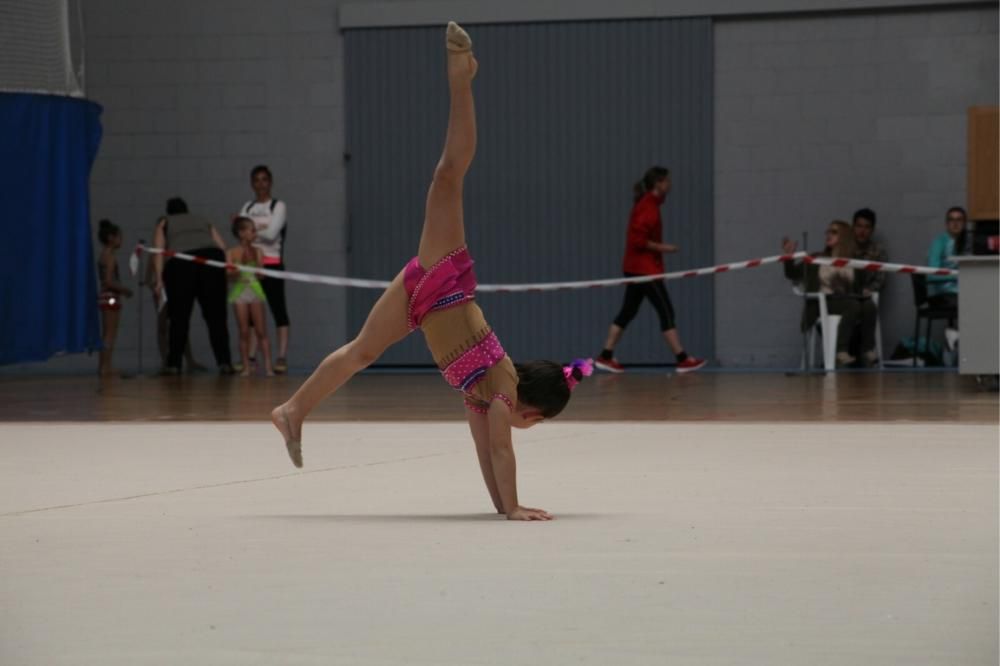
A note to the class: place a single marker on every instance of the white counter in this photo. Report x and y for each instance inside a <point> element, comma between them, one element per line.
<point>979,314</point>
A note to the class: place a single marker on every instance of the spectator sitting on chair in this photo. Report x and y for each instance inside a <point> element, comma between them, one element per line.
<point>868,249</point>
<point>942,291</point>
<point>843,289</point>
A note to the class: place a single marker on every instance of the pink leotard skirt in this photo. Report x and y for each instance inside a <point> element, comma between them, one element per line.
<point>448,283</point>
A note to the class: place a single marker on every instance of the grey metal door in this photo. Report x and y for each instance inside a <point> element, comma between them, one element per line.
<point>570,115</point>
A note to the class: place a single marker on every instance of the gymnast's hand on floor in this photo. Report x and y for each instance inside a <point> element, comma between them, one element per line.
<point>527,513</point>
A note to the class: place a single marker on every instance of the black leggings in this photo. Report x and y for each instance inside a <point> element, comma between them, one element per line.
<point>274,289</point>
<point>187,282</point>
<point>656,292</point>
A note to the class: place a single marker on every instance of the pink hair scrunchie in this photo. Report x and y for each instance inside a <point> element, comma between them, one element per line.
<point>586,367</point>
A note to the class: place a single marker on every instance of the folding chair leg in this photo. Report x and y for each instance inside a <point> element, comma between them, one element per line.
<point>812,346</point>
<point>878,343</point>
<point>927,336</point>
<point>830,325</point>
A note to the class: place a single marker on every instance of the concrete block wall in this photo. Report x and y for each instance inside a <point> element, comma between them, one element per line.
<point>816,115</point>
<point>194,95</point>
<point>819,115</point>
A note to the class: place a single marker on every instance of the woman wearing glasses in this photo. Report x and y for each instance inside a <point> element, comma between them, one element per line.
<point>943,290</point>
<point>843,288</point>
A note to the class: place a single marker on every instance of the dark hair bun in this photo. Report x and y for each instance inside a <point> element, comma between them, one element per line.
<point>107,229</point>
<point>577,373</point>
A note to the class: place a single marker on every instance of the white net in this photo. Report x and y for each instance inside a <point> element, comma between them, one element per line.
<point>35,51</point>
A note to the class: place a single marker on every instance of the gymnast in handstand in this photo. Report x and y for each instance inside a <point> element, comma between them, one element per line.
<point>435,292</point>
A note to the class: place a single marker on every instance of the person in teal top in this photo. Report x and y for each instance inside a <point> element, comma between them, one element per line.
<point>942,290</point>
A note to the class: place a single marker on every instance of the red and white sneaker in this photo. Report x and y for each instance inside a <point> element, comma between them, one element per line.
<point>610,365</point>
<point>690,364</point>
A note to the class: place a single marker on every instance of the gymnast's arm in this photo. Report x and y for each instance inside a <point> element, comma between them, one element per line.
<point>479,425</point>
<point>504,465</point>
<point>217,237</point>
<point>160,242</point>
<point>232,254</point>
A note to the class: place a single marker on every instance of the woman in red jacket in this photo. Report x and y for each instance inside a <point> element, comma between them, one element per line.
<point>644,250</point>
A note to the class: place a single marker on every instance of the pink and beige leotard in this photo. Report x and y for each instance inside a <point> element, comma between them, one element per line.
<point>464,346</point>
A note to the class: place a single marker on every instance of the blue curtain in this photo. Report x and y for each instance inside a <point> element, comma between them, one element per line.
<point>48,277</point>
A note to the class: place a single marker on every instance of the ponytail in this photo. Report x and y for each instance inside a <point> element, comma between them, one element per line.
<point>649,179</point>
<point>577,370</point>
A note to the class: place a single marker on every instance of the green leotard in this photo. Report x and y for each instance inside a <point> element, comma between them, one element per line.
<point>247,288</point>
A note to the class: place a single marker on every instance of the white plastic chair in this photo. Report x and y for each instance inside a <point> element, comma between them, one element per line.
<point>828,324</point>
<point>878,331</point>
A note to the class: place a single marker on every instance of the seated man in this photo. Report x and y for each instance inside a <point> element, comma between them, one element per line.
<point>868,249</point>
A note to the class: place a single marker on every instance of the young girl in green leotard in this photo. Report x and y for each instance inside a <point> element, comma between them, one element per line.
<point>247,295</point>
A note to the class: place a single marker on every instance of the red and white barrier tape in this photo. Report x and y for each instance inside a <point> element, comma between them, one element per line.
<point>878,266</point>
<point>873,266</point>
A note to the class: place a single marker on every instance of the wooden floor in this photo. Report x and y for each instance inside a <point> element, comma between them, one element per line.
<point>709,396</point>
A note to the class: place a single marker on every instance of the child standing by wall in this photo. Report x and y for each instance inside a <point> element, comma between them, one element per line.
<point>247,294</point>
<point>112,291</point>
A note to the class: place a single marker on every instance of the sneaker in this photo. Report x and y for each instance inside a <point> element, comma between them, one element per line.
<point>844,359</point>
<point>281,366</point>
<point>225,369</point>
<point>170,371</point>
<point>690,364</point>
<point>609,364</point>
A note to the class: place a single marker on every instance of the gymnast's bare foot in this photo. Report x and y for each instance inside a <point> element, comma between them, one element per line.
<point>457,39</point>
<point>461,62</point>
<point>290,427</point>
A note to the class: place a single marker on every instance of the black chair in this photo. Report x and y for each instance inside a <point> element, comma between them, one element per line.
<point>928,312</point>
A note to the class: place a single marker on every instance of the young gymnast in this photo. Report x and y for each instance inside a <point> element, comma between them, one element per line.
<point>112,291</point>
<point>435,292</point>
<point>247,294</point>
